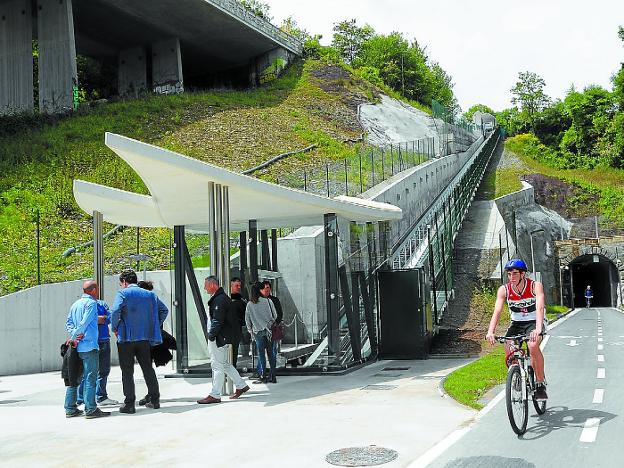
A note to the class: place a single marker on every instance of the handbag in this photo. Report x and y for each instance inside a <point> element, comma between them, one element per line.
<point>277,329</point>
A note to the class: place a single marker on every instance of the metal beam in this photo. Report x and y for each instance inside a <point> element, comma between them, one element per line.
<point>331,284</point>
<point>98,250</point>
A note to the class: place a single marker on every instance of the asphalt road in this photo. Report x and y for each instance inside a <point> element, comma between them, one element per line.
<point>582,426</point>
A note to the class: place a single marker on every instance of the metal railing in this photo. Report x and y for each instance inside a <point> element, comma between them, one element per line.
<point>236,9</point>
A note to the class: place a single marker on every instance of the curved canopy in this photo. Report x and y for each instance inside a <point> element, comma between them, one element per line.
<point>179,195</point>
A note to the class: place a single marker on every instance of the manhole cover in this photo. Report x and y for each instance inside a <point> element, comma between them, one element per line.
<point>394,368</point>
<point>361,456</point>
<point>380,387</point>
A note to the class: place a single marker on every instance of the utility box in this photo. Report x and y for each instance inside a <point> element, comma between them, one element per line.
<point>405,318</point>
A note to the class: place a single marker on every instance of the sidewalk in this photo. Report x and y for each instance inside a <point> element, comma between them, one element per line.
<point>294,423</point>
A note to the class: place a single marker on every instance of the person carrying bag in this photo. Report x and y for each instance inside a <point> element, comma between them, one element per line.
<point>260,316</point>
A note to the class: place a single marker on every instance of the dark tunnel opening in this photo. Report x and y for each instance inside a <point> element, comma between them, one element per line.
<point>600,273</point>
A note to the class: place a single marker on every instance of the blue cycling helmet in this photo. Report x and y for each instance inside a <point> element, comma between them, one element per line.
<point>516,264</point>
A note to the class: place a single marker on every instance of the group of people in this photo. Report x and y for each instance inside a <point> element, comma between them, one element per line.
<point>136,318</point>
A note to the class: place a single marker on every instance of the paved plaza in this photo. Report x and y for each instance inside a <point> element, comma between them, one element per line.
<point>294,423</point>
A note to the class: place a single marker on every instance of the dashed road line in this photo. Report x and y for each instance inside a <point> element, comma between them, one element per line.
<point>601,358</point>
<point>598,395</point>
<point>590,430</point>
<point>600,347</point>
<point>599,340</point>
<point>601,374</point>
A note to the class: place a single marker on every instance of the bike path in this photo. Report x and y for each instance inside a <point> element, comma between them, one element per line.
<point>582,426</point>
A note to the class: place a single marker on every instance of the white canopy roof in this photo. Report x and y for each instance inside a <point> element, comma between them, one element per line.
<point>179,195</point>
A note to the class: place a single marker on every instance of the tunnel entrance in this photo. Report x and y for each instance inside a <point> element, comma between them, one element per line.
<point>600,273</point>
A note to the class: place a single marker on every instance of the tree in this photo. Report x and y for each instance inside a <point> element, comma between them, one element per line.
<point>529,94</point>
<point>349,37</point>
<point>478,108</point>
<point>290,26</point>
<point>257,8</point>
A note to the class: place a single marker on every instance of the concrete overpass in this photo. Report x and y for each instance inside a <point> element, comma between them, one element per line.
<point>156,45</point>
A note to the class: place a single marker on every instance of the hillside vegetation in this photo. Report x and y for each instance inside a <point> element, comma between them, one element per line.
<point>312,103</point>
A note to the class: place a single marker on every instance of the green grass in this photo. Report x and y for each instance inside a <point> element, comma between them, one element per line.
<point>40,156</point>
<point>469,383</point>
<point>604,182</point>
<point>554,311</point>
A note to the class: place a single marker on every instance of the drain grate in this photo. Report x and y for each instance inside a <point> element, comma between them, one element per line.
<point>361,456</point>
<point>380,387</point>
<point>394,368</point>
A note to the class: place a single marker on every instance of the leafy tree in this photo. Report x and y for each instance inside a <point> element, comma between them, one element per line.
<point>511,121</point>
<point>590,113</point>
<point>552,123</point>
<point>477,108</point>
<point>528,93</point>
<point>349,37</point>
<point>258,8</point>
<point>290,26</point>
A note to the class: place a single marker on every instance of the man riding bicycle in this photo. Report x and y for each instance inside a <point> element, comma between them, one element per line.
<point>526,302</point>
<point>589,295</point>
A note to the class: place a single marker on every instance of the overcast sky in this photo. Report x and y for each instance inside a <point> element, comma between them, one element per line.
<point>484,44</point>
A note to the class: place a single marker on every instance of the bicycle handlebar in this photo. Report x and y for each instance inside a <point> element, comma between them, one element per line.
<point>502,339</point>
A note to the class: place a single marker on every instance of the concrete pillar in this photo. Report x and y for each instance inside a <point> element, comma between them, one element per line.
<point>167,67</point>
<point>132,72</point>
<point>58,76</point>
<point>268,66</point>
<point>16,60</point>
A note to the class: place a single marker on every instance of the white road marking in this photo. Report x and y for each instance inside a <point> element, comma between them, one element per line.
<point>598,395</point>
<point>601,358</point>
<point>572,343</point>
<point>590,430</point>
<point>599,340</point>
<point>600,347</point>
<point>602,373</point>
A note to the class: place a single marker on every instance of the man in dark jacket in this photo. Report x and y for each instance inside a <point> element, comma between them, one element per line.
<point>239,304</point>
<point>137,316</point>
<point>222,328</point>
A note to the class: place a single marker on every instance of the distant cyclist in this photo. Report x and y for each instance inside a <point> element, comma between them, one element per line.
<point>526,302</point>
<point>589,295</point>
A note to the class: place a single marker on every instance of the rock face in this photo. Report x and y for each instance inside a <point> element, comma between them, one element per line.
<point>392,121</point>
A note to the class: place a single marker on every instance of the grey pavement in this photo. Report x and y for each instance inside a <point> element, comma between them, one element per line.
<point>582,426</point>
<point>294,423</point>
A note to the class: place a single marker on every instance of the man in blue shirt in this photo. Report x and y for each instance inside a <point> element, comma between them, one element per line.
<point>81,325</point>
<point>136,317</point>
<point>104,358</point>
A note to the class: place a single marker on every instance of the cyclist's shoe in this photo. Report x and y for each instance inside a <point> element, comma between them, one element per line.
<point>540,392</point>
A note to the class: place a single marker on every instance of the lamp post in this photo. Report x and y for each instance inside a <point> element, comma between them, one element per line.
<point>532,252</point>
<point>561,269</point>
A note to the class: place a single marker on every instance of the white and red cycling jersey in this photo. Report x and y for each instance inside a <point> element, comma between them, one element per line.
<point>523,304</point>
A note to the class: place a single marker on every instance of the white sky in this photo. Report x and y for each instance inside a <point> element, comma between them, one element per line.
<point>484,44</point>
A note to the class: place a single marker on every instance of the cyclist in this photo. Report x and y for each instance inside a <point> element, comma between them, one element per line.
<point>589,295</point>
<point>526,302</point>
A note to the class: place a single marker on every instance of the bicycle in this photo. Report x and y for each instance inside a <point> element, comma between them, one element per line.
<point>520,384</point>
<point>588,301</point>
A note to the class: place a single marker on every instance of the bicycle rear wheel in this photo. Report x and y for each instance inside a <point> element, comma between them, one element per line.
<point>540,406</point>
<point>517,406</point>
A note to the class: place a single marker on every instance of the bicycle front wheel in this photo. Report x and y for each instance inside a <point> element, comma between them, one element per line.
<point>517,405</point>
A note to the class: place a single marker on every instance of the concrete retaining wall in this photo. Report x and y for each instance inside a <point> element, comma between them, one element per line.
<point>32,322</point>
<point>523,198</point>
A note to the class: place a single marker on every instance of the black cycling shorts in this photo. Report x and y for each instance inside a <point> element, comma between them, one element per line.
<point>521,328</point>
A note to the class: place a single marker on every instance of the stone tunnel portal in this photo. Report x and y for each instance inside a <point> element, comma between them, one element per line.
<point>600,273</point>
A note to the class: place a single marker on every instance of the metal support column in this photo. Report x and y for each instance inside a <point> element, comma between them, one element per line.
<point>265,262</point>
<point>242,240</point>
<point>331,285</point>
<point>274,250</point>
<point>179,301</point>
<point>98,251</point>
<point>211,227</point>
<point>218,223</point>
<point>225,268</point>
<point>253,250</point>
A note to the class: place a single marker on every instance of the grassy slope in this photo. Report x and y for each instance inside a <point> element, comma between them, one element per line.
<point>234,129</point>
<point>607,183</point>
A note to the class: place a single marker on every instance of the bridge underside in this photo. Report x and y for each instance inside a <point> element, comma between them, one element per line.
<point>156,45</point>
<point>210,39</point>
